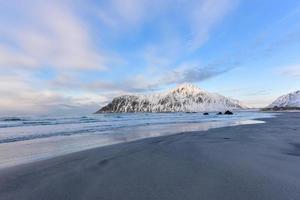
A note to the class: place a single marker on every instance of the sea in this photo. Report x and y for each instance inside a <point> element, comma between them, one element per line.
<point>25,139</point>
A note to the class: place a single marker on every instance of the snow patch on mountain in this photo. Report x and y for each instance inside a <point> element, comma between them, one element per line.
<point>289,100</point>
<point>184,98</point>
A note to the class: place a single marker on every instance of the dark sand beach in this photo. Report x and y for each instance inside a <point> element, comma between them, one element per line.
<point>260,161</point>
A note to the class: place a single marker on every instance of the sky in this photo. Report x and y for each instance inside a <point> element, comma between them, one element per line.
<point>74,56</point>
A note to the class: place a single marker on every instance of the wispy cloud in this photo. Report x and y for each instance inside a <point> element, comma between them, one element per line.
<point>205,15</point>
<point>12,58</point>
<point>49,34</point>
<point>201,17</point>
<point>194,74</point>
<point>19,97</point>
<point>135,84</point>
<point>292,70</point>
<point>117,12</point>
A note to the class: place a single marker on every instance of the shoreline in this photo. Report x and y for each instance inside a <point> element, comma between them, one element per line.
<point>258,161</point>
<point>29,151</point>
<point>233,124</point>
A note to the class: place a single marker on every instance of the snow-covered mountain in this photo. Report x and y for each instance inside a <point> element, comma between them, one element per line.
<point>291,100</point>
<point>184,98</point>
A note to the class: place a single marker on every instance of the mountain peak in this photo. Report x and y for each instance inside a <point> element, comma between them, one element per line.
<point>186,88</point>
<point>184,98</point>
<point>289,100</point>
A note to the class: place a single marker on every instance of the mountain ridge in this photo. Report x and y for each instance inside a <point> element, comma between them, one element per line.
<point>287,101</point>
<point>183,98</point>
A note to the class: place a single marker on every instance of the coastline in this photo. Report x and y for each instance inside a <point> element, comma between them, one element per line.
<point>24,144</point>
<point>258,161</point>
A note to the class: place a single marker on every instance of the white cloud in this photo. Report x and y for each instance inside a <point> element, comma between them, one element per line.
<point>205,15</point>
<point>119,14</point>
<point>202,16</point>
<point>51,35</point>
<point>19,97</point>
<point>12,58</point>
<point>186,72</point>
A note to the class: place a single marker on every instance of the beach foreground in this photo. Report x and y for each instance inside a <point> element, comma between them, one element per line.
<point>258,161</point>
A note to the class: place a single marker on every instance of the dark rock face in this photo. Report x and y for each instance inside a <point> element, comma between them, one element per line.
<point>205,113</point>
<point>228,113</point>
<point>219,113</point>
<point>124,104</point>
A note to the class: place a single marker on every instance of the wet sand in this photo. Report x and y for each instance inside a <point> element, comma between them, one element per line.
<point>260,161</point>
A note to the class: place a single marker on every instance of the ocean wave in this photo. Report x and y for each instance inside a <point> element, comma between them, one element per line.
<point>14,129</point>
<point>12,119</point>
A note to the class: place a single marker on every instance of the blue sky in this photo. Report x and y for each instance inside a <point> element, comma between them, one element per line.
<point>74,56</point>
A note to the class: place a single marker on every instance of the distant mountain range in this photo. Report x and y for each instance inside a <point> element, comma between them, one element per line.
<point>184,98</point>
<point>289,101</point>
